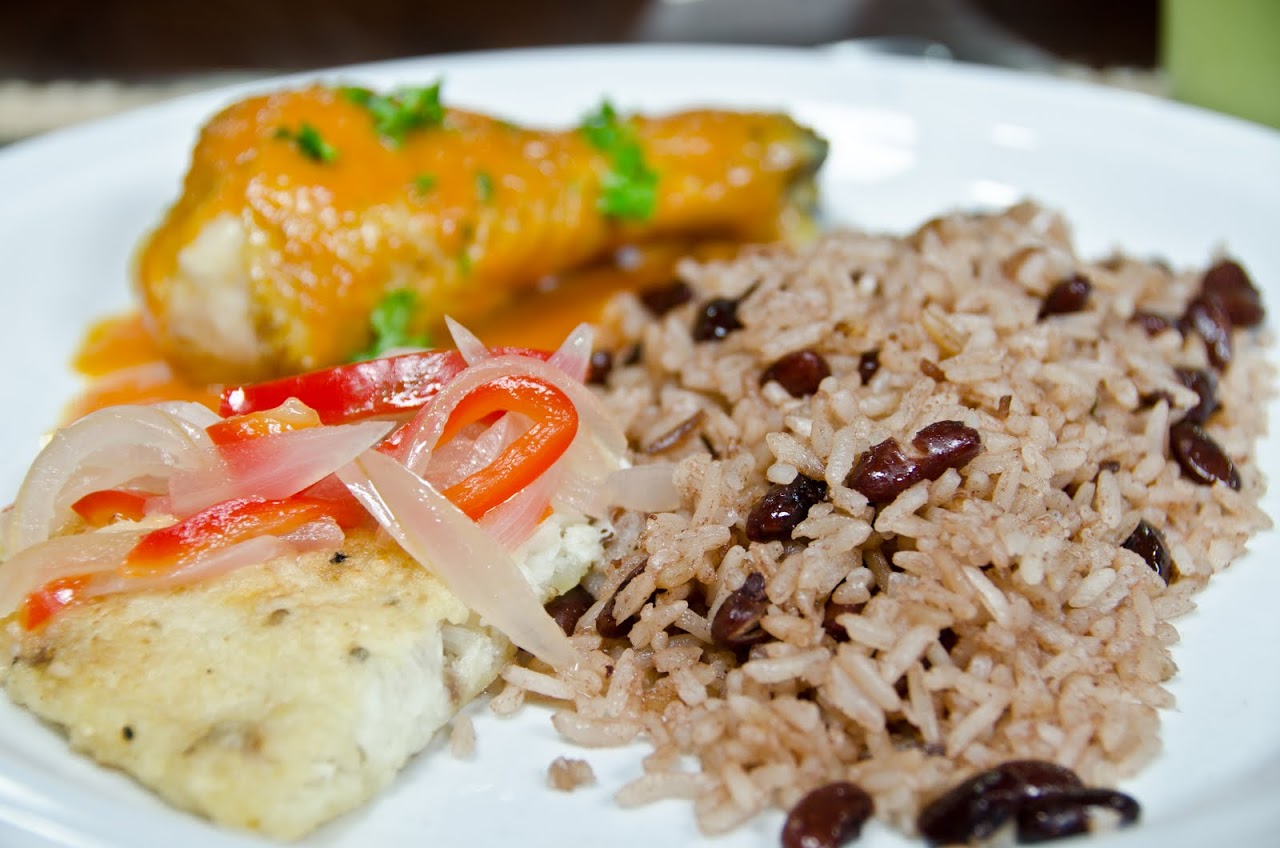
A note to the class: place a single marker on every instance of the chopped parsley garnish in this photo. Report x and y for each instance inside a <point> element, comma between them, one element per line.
<point>467,234</point>
<point>397,114</point>
<point>309,142</point>
<point>390,321</point>
<point>484,186</point>
<point>629,188</point>
<point>424,183</point>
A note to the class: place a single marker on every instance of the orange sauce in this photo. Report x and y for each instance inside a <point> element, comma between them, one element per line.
<point>123,364</point>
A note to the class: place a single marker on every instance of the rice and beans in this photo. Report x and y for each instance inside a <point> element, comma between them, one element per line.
<point>942,498</point>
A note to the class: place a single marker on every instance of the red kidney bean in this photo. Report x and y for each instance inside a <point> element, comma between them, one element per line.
<point>717,319</point>
<point>799,372</point>
<point>949,442</point>
<point>606,624</point>
<point>1230,285</point>
<point>1201,458</point>
<point>1067,295</point>
<point>979,806</point>
<point>662,299</point>
<point>828,817</point>
<point>1044,820</point>
<point>1058,815</point>
<point>737,623</point>
<point>1208,319</point>
<point>600,367</point>
<point>886,471</point>
<point>868,365</point>
<point>1148,543</point>
<point>568,608</point>
<point>776,515</point>
<point>1205,385</point>
<point>1152,323</point>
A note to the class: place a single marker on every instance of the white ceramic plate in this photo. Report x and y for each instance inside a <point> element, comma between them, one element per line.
<point>909,139</point>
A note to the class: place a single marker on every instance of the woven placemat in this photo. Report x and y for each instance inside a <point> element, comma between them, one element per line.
<point>29,108</point>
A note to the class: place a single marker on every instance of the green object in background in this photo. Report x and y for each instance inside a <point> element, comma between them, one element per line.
<point>1224,55</point>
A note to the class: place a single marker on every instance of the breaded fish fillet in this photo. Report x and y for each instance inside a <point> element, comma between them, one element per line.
<point>282,695</point>
<point>302,210</point>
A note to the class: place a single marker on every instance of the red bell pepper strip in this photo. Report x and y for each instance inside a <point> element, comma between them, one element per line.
<point>285,418</point>
<point>227,523</point>
<point>51,598</point>
<point>359,390</point>
<point>98,509</point>
<point>555,423</point>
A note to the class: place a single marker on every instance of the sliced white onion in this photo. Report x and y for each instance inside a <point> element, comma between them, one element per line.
<point>469,452</point>
<point>468,343</point>
<point>320,535</point>
<point>514,520</point>
<point>573,357</point>
<point>61,556</point>
<point>644,488</point>
<point>274,466</point>
<point>471,563</point>
<point>194,417</point>
<point>216,563</point>
<point>583,493</point>
<point>105,449</point>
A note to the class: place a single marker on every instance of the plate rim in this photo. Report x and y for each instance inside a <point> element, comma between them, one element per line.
<point>22,153</point>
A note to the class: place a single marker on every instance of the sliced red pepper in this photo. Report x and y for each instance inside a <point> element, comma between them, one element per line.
<point>98,509</point>
<point>225,524</point>
<point>50,599</point>
<point>285,418</point>
<point>342,505</point>
<point>359,390</point>
<point>555,423</point>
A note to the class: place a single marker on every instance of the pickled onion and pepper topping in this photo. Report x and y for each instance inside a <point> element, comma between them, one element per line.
<point>573,357</point>
<point>271,467</point>
<point>51,598</point>
<point>62,556</point>
<point>506,433</point>
<point>288,417</point>
<point>94,559</point>
<point>98,509</point>
<point>222,525</point>
<point>107,449</point>
<point>470,561</point>
<point>423,431</point>
<point>555,423</point>
<point>343,393</point>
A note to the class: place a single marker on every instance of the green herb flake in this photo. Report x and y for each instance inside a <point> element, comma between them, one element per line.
<point>484,186</point>
<point>629,188</point>
<point>356,94</point>
<point>309,143</point>
<point>397,114</point>
<point>424,183</point>
<point>389,322</point>
<point>464,263</point>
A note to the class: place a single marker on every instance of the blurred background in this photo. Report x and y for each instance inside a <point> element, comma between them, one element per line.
<point>63,61</point>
